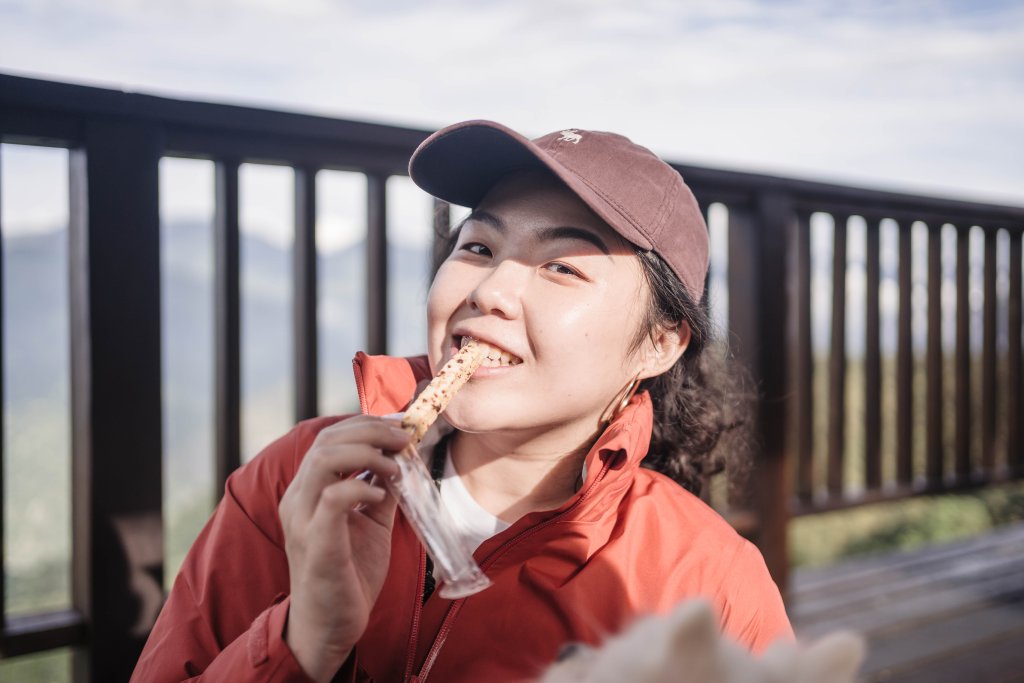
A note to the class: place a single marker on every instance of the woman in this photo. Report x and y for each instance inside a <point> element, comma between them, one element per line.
<point>583,262</point>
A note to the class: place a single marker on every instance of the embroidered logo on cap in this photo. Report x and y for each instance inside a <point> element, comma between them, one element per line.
<point>570,135</point>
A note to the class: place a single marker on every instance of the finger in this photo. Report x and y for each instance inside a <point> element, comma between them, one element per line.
<point>324,465</point>
<point>329,522</point>
<point>347,460</point>
<point>376,431</point>
<point>361,441</point>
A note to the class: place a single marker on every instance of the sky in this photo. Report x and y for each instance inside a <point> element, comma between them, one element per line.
<point>912,95</point>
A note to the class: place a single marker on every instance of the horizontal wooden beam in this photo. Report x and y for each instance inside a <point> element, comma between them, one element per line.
<point>79,100</point>
<point>45,109</point>
<point>25,635</point>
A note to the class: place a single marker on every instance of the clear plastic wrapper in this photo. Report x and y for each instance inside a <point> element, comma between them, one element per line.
<point>454,567</point>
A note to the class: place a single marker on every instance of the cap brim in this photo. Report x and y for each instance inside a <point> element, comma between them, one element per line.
<point>459,164</point>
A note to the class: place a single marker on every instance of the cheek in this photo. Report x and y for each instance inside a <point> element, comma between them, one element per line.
<point>442,301</point>
<point>589,340</point>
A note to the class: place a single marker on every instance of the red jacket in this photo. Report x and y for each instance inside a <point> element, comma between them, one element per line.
<point>631,541</point>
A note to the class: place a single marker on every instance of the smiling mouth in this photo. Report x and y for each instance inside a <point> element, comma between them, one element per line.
<point>494,357</point>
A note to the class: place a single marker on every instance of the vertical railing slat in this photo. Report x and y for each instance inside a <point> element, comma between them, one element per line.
<point>705,481</point>
<point>905,361</point>
<point>837,362</point>
<point>988,357</point>
<point>3,407</point>
<point>442,227</point>
<point>1014,403</point>
<point>377,264</point>
<point>963,356</point>
<point>872,363</point>
<point>228,385</point>
<point>304,272</point>
<point>81,462</point>
<point>803,362</point>
<point>933,422</point>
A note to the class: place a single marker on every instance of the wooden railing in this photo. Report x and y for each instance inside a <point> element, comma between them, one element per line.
<point>116,141</point>
<point>770,318</point>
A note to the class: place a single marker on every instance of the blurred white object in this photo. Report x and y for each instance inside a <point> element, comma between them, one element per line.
<point>686,646</point>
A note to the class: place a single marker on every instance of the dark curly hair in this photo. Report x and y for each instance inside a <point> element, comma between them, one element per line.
<point>702,403</point>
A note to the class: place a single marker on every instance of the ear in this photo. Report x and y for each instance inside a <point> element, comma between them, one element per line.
<point>663,348</point>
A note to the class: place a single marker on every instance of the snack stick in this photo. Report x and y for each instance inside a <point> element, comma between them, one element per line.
<point>434,399</point>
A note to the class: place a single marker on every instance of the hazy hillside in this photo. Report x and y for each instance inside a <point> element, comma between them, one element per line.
<point>36,370</point>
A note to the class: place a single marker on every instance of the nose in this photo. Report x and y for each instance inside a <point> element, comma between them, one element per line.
<point>500,291</point>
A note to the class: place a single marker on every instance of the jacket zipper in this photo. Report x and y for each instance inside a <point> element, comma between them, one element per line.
<point>414,634</point>
<point>357,370</point>
<point>453,609</point>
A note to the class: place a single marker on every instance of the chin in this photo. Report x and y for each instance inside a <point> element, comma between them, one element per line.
<point>475,419</point>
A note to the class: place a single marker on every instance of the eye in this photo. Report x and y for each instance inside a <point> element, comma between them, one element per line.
<point>476,248</point>
<point>562,269</point>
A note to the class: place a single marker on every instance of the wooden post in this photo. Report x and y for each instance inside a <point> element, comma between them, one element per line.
<point>116,416</point>
<point>759,312</point>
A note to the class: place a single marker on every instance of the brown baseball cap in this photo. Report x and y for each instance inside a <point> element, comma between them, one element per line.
<point>640,196</point>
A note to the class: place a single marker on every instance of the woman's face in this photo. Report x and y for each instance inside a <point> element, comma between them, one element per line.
<point>537,274</point>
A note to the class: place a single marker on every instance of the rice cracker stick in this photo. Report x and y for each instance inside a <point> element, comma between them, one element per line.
<point>434,399</point>
<point>420,498</point>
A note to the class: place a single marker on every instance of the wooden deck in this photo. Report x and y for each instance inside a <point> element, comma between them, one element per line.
<point>948,613</point>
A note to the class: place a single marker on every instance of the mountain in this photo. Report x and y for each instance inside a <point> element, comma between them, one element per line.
<point>36,337</point>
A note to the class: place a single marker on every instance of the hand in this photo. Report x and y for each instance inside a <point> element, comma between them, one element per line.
<point>337,556</point>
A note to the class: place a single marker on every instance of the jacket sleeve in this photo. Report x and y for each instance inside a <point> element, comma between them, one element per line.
<point>754,613</point>
<point>225,616</point>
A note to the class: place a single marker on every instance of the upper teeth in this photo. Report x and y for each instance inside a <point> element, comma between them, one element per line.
<point>495,357</point>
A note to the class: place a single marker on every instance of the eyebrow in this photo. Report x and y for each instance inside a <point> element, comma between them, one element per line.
<point>561,232</point>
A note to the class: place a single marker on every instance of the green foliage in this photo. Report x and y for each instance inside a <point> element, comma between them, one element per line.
<point>1005,505</point>
<point>183,525</point>
<point>825,538</point>
<point>47,667</point>
<point>41,587</point>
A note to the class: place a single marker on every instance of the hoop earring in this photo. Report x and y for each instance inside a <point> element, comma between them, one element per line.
<point>617,406</point>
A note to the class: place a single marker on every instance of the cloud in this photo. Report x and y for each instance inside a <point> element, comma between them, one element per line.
<point>920,95</point>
